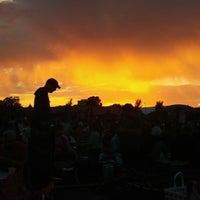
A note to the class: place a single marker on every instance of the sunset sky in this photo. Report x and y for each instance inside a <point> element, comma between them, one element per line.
<point>119,50</point>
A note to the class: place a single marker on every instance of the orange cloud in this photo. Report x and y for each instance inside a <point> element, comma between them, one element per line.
<point>118,50</point>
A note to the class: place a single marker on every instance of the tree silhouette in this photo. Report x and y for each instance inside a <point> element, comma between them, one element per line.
<point>11,102</point>
<point>69,103</point>
<point>94,101</point>
<point>138,104</point>
<point>159,105</point>
<point>10,106</point>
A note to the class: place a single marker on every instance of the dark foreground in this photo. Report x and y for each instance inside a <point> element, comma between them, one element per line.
<point>103,182</point>
<point>142,181</point>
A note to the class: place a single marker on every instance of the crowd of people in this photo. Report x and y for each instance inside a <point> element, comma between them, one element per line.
<point>127,139</point>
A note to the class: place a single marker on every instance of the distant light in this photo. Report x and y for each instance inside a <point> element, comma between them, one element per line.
<point>198,104</point>
<point>6,1</point>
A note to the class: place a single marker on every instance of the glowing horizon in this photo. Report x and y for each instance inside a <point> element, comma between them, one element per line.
<point>120,50</point>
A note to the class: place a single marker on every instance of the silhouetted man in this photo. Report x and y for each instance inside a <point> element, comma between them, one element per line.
<point>41,142</point>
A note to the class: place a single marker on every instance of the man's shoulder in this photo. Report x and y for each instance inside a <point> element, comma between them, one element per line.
<point>40,90</point>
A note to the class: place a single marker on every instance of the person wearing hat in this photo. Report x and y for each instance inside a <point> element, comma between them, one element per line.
<point>39,167</point>
<point>41,111</point>
<point>41,101</point>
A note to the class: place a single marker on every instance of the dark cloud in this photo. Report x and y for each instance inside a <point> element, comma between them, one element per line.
<point>35,29</point>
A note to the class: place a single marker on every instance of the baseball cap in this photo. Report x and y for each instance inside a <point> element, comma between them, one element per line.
<point>53,81</point>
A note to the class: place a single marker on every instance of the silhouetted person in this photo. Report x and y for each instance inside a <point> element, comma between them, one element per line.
<point>41,142</point>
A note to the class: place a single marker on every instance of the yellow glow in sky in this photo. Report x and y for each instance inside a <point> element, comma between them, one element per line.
<point>120,81</point>
<point>6,1</point>
<point>119,50</point>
